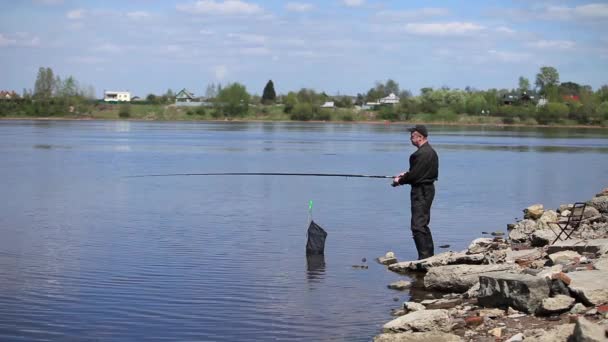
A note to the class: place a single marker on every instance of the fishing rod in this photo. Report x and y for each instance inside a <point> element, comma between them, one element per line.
<point>347,175</point>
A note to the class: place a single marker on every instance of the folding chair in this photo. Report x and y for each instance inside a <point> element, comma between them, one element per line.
<point>571,224</point>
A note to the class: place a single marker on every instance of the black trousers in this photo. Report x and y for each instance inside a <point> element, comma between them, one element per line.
<point>421,198</point>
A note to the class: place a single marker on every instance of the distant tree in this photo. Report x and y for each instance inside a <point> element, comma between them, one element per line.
<point>290,101</point>
<point>233,100</point>
<point>569,88</point>
<point>269,95</point>
<point>211,91</point>
<point>602,93</point>
<point>546,78</point>
<point>391,87</point>
<point>524,84</point>
<point>151,98</point>
<point>67,88</point>
<point>45,83</point>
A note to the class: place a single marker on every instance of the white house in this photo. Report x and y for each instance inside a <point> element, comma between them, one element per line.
<point>116,96</point>
<point>328,104</point>
<point>390,99</point>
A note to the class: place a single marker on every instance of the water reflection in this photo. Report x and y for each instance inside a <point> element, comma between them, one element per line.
<point>315,267</point>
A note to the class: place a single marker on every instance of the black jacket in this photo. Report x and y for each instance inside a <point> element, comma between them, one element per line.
<point>424,167</point>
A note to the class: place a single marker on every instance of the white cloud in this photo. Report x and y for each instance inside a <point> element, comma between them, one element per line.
<point>4,41</point>
<point>228,7</point>
<point>353,3</point>
<point>505,29</point>
<point>588,11</point>
<point>86,59</point>
<point>510,57</point>
<point>108,47</point>
<point>220,72</point>
<point>443,29</point>
<point>553,44</point>
<point>249,38</point>
<point>416,14</point>
<point>75,14</point>
<point>255,51</point>
<point>138,15</point>
<point>206,32</point>
<point>49,2</point>
<point>298,7</point>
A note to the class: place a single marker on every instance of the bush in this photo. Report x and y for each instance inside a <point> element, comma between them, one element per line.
<point>602,111</point>
<point>552,112</point>
<point>124,111</point>
<point>388,113</point>
<point>322,115</point>
<point>446,114</point>
<point>347,117</point>
<point>200,110</point>
<point>302,112</point>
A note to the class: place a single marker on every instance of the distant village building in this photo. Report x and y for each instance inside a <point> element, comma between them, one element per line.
<point>8,95</point>
<point>116,96</point>
<point>186,98</point>
<point>519,98</point>
<point>328,104</point>
<point>390,99</point>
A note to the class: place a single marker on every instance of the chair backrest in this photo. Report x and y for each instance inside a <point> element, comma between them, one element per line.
<point>576,214</point>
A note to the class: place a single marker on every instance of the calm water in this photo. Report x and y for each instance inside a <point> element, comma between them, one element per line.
<point>86,254</point>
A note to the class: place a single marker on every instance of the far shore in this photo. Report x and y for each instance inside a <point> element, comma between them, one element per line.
<point>245,120</point>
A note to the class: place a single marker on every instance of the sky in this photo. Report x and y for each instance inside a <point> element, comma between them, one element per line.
<point>336,46</point>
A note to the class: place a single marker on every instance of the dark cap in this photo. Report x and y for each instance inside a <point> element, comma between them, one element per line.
<point>420,129</point>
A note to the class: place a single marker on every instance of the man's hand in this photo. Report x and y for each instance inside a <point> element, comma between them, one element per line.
<point>396,179</point>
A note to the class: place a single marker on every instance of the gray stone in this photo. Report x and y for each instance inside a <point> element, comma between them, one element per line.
<point>445,303</point>
<point>588,332</point>
<point>543,237</point>
<point>424,320</point>
<point>590,212</point>
<point>601,264</point>
<point>557,304</point>
<point>519,337</point>
<point>590,286</point>
<point>387,261</point>
<point>400,285</point>
<point>520,291</point>
<point>555,334</point>
<point>480,245</point>
<point>413,306</point>
<point>522,230</point>
<point>598,246</point>
<point>548,272</point>
<point>442,259</point>
<point>431,336</point>
<point>544,222</point>
<point>460,278</point>
<point>534,211</point>
<point>564,257</point>
<point>472,292</point>
<point>578,309</point>
<point>523,255</point>
<point>600,203</point>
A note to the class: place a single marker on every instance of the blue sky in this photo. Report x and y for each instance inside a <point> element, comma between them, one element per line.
<point>336,46</point>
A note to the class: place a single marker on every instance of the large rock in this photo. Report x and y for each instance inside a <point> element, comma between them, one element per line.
<point>424,320</point>
<point>523,255</point>
<point>590,212</point>
<point>460,278</point>
<point>590,286</point>
<point>480,245</point>
<point>546,219</point>
<point>597,246</point>
<point>564,257</point>
<point>559,333</point>
<point>447,258</point>
<point>557,304</point>
<point>600,203</point>
<point>588,332</point>
<point>543,237</point>
<point>431,336</point>
<point>522,230</point>
<point>519,291</point>
<point>601,264</point>
<point>534,212</point>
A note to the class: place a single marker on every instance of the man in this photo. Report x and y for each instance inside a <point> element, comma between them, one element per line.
<point>423,172</point>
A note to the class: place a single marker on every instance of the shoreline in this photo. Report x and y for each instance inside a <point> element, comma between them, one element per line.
<point>511,287</point>
<point>375,122</point>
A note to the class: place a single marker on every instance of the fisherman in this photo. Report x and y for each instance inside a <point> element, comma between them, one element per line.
<point>423,172</point>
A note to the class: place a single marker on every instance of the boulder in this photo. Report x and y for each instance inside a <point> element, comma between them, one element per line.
<point>431,336</point>
<point>480,245</point>
<point>587,331</point>
<point>590,212</point>
<point>523,255</point>
<point>600,203</point>
<point>522,230</point>
<point>400,285</point>
<point>542,237</point>
<point>544,222</point>
<point>590,286</point>
<point>460,278</point>
<point>424,320</point>
<point>519,337</point>
<point>597,246</point>
<point>413,306</point>
<point>442,259</point>
<point>534,212</point>
<point>578,309</point>
<point>557,304</point>
<point>520,291</point>
<point>564,257</point>
<point>557,333</point>
<point>601,264</point>
<point>388,259</point>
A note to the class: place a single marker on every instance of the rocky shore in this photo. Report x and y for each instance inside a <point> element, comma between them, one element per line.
<point>518,287</point>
